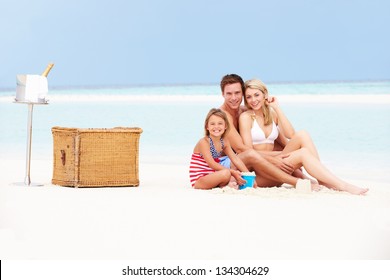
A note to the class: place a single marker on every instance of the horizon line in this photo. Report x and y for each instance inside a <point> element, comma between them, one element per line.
<point>203,84</point>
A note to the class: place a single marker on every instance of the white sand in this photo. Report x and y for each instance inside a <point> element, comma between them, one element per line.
<point>165,219</point>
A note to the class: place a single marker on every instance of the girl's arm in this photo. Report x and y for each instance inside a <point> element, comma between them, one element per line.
<point>234,158</point>
<point>237,162</point>
<point>281,119</point>
<point>204,149</point>
<point>245,124</point>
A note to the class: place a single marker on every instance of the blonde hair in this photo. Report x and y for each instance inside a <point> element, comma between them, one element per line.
<point>218,113</point>
<point>257,84</point>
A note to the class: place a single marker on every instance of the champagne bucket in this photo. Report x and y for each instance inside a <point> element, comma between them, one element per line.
<point>31,88</point>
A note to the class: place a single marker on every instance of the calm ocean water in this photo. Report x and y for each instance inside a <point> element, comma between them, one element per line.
<point>349,122</point>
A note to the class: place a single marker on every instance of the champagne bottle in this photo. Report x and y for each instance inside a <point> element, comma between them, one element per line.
<point>47,70</point>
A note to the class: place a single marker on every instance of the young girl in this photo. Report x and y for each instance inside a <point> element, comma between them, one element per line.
<point>260,127</point>
<point>211,160</point>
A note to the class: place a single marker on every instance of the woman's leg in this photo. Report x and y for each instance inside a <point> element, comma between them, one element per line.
<point>217,179</point>
<point>315,168</point>
<point>299,174</point>
<point>301,139</point>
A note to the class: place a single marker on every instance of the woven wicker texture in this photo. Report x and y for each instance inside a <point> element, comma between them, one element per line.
<point>95,157</point>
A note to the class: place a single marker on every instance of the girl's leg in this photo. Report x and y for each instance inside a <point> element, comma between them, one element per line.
<point>315,168</point>
<point>301,139</point>
<point>217,179</point>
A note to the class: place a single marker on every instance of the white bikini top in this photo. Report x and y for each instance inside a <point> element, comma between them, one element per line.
<point>258,136</point>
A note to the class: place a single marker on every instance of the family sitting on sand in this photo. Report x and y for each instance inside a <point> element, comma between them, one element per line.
<point>260,138</point>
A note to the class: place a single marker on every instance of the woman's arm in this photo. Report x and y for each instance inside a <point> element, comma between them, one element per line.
<point>280,142</point>
<point>245,124</point>
<point>282,121</point>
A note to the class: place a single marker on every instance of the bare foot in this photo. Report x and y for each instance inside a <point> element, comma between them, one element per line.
<point>353,189</point>
<point>233,184</point>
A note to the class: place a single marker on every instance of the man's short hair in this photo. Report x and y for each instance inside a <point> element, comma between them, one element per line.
<point>232,79</point>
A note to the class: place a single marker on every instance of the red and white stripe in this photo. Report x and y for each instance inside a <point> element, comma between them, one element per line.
<point>198,168</point>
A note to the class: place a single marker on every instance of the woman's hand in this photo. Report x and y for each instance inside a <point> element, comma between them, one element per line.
<point>272,102</point>
<point>281,120</point>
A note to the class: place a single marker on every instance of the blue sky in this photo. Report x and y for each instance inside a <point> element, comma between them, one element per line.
<point>118,42</point>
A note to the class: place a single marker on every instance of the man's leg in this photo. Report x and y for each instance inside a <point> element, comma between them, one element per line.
<point>268,173</point>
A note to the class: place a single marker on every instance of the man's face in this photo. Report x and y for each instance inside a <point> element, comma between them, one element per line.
<point>233,96</point>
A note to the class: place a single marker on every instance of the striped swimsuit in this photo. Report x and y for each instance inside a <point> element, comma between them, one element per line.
<point>198,165</point>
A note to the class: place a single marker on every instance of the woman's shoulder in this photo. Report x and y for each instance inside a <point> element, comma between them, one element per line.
<point>246,115</point>
<point>243,109</point>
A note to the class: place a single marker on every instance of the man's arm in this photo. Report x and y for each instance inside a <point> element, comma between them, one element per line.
<point>235,138</point>
<point>276,158</point>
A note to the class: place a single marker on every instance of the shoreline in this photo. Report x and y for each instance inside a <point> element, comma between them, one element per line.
<point>375,99</point>
<point>215,83</point>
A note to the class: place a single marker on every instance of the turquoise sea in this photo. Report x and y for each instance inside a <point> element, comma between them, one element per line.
<point>348,121</point>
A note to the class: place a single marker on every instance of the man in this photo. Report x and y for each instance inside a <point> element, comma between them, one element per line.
<point>267,166</point>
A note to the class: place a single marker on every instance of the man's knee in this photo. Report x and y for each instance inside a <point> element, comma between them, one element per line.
<point>251,156</point>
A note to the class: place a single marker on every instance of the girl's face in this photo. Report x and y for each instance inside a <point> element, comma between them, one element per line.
<point>254,98</point>
<point>216,126</point>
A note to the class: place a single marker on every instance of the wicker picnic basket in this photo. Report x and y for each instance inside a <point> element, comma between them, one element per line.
<point>96,157</point>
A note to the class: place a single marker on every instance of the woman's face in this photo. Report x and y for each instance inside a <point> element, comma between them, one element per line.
<point>254,98</point>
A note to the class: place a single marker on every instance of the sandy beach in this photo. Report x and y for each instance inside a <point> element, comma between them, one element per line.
<point>165,219</point>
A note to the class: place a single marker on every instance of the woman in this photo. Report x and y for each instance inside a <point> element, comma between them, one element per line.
<point>264,122</point>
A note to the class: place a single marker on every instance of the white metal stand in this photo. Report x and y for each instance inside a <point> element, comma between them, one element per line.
<point>27,179</point>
